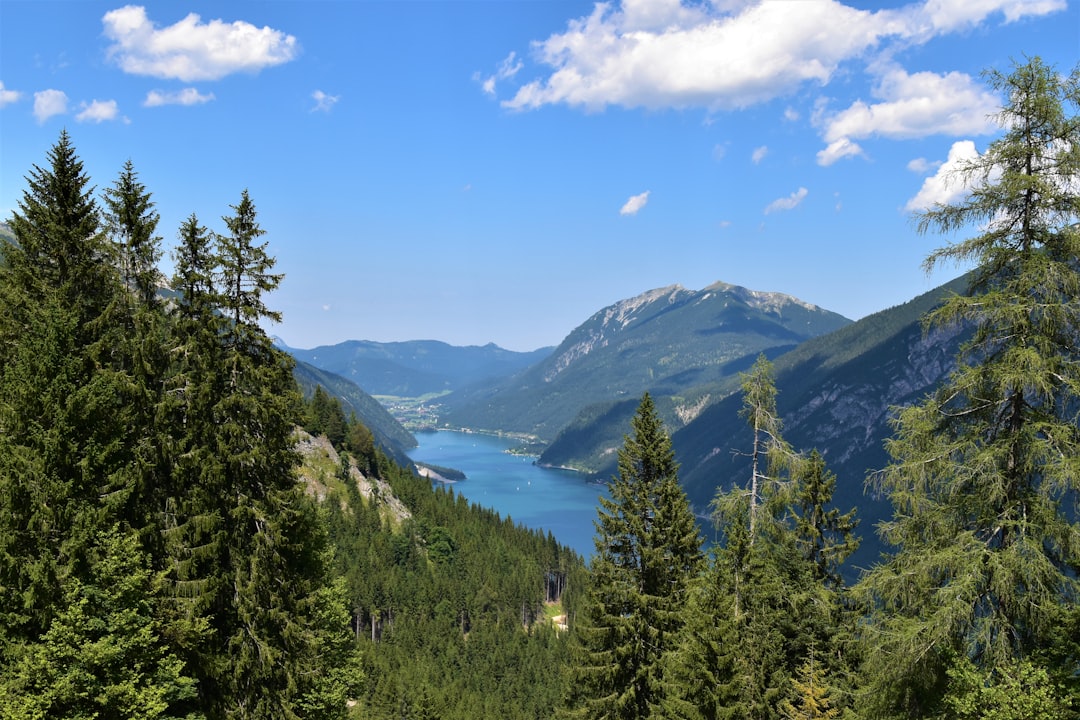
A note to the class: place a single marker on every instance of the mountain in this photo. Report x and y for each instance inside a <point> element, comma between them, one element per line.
<point>394,439</point>
<point>668,341</point>
<point>419,367</point>
<point>835,393</point>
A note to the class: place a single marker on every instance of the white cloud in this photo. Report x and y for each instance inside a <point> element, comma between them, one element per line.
<point>788,203</point>
<point>324,102</point>
<point>917,105</point>
<point>191,49</point>
<point>97,111</point>
<point>666,54</point>
<point>48,103</point>
<point>791,114</point>
<point>759,154</point>
<point>948,183</point>
<point>936,17</point>
<point>8,96</point>
<point>730,54</point>
<point>837,150</point>
<point>508,68</point>
<point>187,96</point>
<point>634,204</point>
<point>922,165</point>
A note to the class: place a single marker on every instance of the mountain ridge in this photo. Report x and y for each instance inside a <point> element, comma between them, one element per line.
<point>670,338</point>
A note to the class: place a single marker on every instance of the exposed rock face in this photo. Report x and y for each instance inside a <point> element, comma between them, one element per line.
<point>608,323</point>
<point>319,471</point>
<point>664,341</point>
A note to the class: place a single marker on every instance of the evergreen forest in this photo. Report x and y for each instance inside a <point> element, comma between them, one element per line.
<point>185,534</point>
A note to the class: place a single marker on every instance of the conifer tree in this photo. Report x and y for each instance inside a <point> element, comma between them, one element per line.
<point>703,670</point>
<point>647,553</point>
<point>195,501</point>
<point>101,656</point>
<point>130,221</point>
<point>770,455</point>
<point>811,701</point>
<point>773,590</point>
<point>269,547</point>
<point>824,536</point>
<point>986,471</point>
<point>63,391</point>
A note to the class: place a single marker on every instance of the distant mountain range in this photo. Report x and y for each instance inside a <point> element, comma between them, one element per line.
<point>417,368</point>
<point>837,383</point>
<point>670,341</point>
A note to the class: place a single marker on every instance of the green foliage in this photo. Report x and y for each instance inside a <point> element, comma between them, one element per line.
<point>101,656</point>
<point>63,392</point>
<point>324,416</point>
<point>983,470</point>
<point>157,556</point>
<point>391,437</point>
<point>449,609</point>
<point>647,552</point>
<point>772,596</point>
<point>1022,691</point>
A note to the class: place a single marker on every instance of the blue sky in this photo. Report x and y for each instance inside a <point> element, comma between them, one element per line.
<point>497,171</point>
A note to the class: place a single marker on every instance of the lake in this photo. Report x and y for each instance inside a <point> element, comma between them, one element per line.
<point>558,501</point>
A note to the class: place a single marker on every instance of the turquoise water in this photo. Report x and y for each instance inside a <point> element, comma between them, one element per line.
<point>558,501</point>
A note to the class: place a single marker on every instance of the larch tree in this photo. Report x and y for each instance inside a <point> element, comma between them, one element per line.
<point>985,472</point>
<point>648,550</point>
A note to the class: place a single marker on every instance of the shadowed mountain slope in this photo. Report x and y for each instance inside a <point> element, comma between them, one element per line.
<point>667,341</point>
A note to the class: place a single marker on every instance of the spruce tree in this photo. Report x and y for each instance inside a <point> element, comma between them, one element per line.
<point>271,546</point>
<point>647,553</point>
<point>130,222</point>
<point>130,218</point>
<point>102,655</point>
<point>824,536</point>
<point>985,472</point>
<point>773,591</point>
<point>64,419</point>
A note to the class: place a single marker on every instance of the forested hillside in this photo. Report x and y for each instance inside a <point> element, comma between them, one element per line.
<point>390,435</point>
<point>163,551</point>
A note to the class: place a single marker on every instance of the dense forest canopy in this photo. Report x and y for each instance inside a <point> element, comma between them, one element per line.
<point>168,551</point>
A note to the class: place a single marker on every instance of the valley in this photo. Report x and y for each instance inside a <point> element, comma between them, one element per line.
<point>571,405</point>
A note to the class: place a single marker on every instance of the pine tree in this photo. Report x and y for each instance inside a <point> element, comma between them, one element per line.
<point>647,553</point>
<point>985,471</point>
